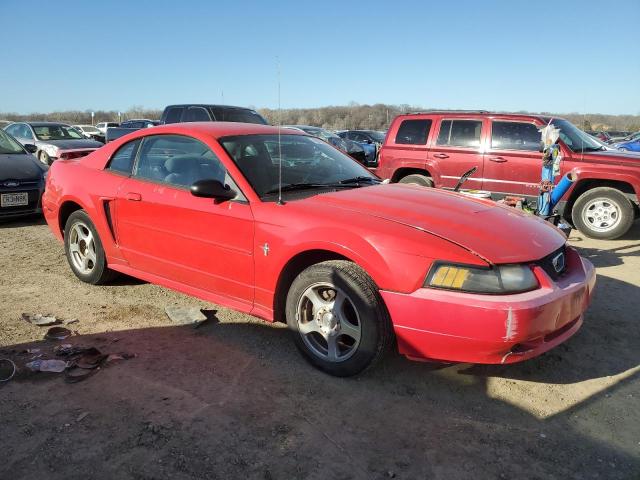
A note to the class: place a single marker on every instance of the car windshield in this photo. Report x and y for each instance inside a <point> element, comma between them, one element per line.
<point>9,146</point>
<point>237,115</point>
<point>56,132</point>
<point>377,136</point>
<point>307,163</point>
<point>576,139</point>
<point>327,136</point>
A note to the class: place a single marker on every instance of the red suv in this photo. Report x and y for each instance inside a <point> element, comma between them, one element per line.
<point>435,148</point>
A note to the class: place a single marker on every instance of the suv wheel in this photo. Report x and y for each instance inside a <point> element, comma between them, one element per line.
<point>417,179</point>
<point>603,212</point>
<point>338,319</point>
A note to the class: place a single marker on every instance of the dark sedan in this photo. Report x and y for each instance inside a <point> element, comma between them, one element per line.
<point>21,179</point>
<point>53,140</point>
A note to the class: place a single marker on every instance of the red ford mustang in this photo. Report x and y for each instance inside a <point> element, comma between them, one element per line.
<point>352,265</point>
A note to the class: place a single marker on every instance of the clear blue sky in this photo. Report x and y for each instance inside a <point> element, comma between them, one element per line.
<point>562,56</point>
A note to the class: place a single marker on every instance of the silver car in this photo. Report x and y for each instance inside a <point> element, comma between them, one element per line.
<point>52,140</point>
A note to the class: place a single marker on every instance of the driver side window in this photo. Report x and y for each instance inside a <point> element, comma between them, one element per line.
<point>179,161</point>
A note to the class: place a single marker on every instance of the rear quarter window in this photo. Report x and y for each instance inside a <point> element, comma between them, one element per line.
<point>122,160</point>
<point>413,132</point>
<point>173,115</point>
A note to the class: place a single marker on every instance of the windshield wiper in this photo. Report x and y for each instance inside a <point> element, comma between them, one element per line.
<point>359,179</point>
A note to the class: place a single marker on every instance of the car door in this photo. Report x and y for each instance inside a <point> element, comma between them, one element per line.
<point>513,161</point>
<point>166,231</point>
<point>457,149</point>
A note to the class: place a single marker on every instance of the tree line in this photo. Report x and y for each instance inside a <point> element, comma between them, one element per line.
<point>352,116</point>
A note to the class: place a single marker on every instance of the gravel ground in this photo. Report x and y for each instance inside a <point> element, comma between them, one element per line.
<point>233,398</point>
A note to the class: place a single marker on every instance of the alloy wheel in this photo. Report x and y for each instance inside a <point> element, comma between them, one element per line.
<point>328,322</point>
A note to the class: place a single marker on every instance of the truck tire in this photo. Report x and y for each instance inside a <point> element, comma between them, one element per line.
<point>603,212</point>
<point>337,317</point>
<point>417,179</point>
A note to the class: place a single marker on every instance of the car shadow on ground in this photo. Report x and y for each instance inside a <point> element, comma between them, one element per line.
<point>235,400</point>
<point>21,222</point>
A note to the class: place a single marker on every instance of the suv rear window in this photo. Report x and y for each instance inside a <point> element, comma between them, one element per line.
<point>460,133</point>
<point>413,132</point>
<point>515,136</point>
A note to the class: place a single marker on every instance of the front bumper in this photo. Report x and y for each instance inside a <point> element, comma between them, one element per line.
<point>33,207</point>
<point>451,326</point>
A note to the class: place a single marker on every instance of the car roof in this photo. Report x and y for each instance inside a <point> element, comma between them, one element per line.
<point>44,124</point>
<point>483,113</point>
<point>207,105</point>
<point>217,129</point>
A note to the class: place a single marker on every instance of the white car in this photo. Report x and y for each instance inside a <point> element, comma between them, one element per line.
<point>102,126</point>
<point>88,131</point>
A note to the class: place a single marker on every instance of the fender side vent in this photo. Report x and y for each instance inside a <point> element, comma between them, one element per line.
<point>107,214</point>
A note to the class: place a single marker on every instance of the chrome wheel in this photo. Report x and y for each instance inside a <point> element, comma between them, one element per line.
<point>328,322</point>
<point>82,248</point>
<point>601,214</point>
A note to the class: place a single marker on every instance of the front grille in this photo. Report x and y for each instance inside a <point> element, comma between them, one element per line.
<point>34,201</point>
<point>552,262</point>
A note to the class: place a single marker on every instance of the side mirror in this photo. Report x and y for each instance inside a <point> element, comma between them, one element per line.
<point>31,148</point>
<point>210,188</point>
<point>369,141</point>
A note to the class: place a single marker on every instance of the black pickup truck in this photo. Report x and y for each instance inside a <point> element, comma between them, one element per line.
<point>190,113</point>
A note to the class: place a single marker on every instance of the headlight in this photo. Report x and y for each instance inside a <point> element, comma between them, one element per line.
<point>498,280</point>
<point>51,150</point>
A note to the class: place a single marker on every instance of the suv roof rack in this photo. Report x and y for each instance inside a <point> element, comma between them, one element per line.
<point>440,110</point>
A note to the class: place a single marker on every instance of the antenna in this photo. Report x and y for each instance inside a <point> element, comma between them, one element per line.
<point>280,202</point>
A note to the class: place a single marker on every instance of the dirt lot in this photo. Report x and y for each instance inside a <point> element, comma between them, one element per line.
<point>233,398</point>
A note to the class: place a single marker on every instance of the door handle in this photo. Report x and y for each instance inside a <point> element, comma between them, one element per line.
<point>498,159</point>
<point>134,197</point>
<point>441,155</point>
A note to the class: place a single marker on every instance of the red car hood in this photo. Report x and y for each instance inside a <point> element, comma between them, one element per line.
<point>629,159</point>
<point>496,233</point>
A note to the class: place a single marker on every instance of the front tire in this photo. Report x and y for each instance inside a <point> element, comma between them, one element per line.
<point>417,179</point>
<point>603,212</point>
<point>84,250</point>
<point>338,319</point>
<point>44,158</point>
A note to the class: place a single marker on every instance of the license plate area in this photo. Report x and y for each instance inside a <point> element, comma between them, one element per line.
<point>16,199</point>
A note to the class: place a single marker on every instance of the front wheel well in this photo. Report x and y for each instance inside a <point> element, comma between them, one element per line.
<point>66,209</point>
<point>584,185</point>
<point>403,172</point>
<point>291,270</point>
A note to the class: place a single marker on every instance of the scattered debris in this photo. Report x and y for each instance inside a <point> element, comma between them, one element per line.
<point>57,333</point>
<point>32,351</point>
<point>7,369</point>
<point>72,321</point>
<point>41,320</point>
<point>114,357</point>
<point>76,374</point>
<point>56,366</point>
<point>68,350</point>
<point>82,416</point>
<point>186,315</point>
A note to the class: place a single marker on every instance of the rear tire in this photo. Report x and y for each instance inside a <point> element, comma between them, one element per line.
<point>417,179</point>
<point>338,319</point>
<point>84,250</point>
<point>603,212</point>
